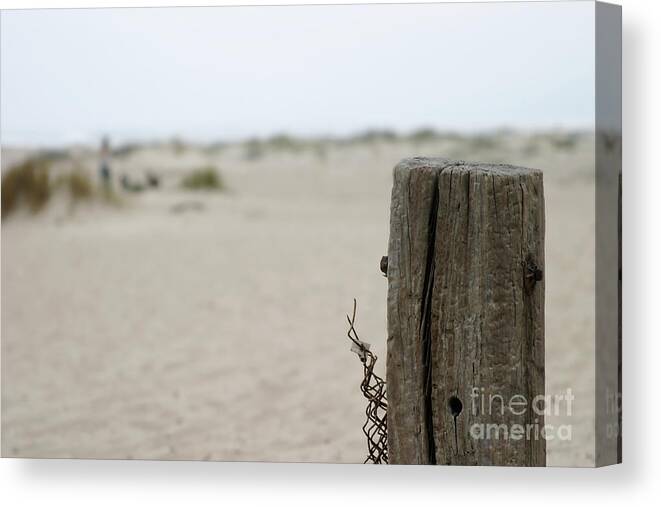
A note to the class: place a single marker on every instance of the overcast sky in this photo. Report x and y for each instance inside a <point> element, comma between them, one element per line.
<point>227,73</point>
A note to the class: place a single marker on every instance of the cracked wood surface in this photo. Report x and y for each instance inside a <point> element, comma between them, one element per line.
<point>465,311</point>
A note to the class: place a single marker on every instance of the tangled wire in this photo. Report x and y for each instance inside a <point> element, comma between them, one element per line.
<point>373,388</point>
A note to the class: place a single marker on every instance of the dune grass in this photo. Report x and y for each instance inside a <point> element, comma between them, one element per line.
<point>27,183</point>
<point>78,185</point>
<point>203,178</point>
<point>32,185</point>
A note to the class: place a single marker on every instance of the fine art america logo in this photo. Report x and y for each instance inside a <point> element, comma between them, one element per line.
<point>499,406</point>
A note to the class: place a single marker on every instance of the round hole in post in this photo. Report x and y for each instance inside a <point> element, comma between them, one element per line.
<point>383,265</point>
<point>455,406</point>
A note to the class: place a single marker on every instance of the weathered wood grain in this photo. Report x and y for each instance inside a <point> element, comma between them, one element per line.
<point>465,312</point>
<point>412,215</point>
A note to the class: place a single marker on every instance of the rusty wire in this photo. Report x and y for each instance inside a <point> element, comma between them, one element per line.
<point>373,388</point>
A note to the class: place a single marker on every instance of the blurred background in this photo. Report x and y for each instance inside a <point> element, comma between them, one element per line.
<point>192,198</point>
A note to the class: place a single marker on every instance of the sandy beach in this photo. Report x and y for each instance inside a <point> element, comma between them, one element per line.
<point>211,325</point>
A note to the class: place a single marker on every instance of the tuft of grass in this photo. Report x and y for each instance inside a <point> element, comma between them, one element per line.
<point>204,178</point>
<point>26,183</point>
<point>29,184</point>
<point>79,185</point>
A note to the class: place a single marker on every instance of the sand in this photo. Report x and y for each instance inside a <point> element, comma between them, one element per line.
<point>200,325</point>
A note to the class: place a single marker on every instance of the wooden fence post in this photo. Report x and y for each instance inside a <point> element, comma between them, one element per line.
<point>465,366</point>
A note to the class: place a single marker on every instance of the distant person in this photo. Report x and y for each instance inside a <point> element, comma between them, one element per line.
<point>104,167</point>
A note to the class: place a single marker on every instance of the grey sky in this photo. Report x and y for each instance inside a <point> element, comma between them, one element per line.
<point>219,73</point>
